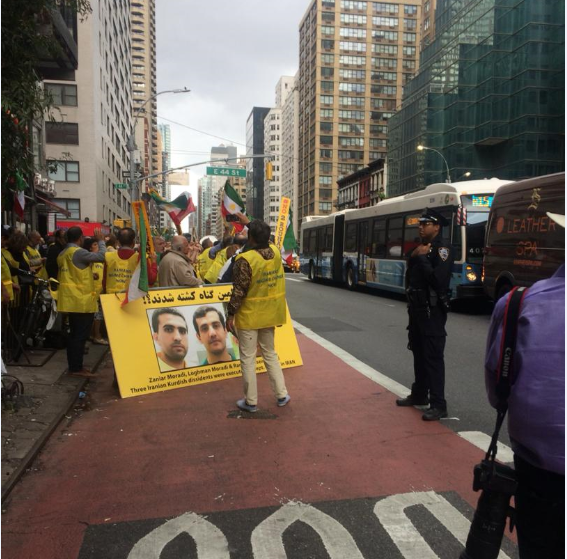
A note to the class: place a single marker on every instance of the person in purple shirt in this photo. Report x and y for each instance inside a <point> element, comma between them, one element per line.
<point>536,412</point>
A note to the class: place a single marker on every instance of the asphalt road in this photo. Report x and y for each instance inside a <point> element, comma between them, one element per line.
<point>371,325</point>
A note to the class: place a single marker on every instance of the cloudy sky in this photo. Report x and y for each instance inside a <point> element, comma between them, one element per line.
<point>230,55</point>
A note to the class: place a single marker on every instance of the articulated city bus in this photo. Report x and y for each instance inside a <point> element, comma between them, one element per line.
<point>370,246</point>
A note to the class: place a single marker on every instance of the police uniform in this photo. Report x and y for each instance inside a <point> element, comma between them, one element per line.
<point>428,279</point>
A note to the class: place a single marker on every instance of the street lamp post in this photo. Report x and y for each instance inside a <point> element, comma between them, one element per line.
<point>421,148</point>
<point>134,191</point>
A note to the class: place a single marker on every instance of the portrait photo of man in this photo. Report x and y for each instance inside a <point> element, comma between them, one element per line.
<point>170,334</point>
<point>211,332</point>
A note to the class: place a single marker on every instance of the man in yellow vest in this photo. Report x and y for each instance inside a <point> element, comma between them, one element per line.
<point>256,307</point>
<point>119,265</point>
<point>77,295</point>
<point>204,261</point>
<point>33,257</point>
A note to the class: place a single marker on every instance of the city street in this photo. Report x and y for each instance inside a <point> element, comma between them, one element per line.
<point>184,474</point>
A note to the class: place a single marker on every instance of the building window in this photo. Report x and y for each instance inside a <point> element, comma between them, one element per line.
<point>327,44</point>
<point>62,133</point>
<point>62,94</point>
<point>328,58</point>
<point>409,37</point>
<point>410,10</point>
<point>67,171</point>
<point>385,21</point>
<point>325,206</point>
<point>71,205</point>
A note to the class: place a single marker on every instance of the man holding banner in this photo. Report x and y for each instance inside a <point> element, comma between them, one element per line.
<point>256,307</point>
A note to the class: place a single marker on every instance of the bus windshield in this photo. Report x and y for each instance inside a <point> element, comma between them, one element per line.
<point>478,209</point>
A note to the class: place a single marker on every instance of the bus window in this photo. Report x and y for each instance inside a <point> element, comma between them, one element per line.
<point>379,238</point>
<point>320,241</point>
<point>395,229</point>
<point>411,234</point>
<point>350,238</point>
<point>312,244</point>
<point>328,246</point>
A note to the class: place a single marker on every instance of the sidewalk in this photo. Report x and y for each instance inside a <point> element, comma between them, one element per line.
<point>49,394</point>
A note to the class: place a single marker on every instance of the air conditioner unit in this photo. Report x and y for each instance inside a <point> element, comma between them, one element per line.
<point>51,186</point>
<point>36,179</point>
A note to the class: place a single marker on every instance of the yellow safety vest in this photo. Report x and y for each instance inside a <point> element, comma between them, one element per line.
<point>98,268</point>
<point>34,260</point>
<point>7,278</point>
<point>212,275</point>
<point>264,305</point>
<point>10,260</point>
<point>118,271</point>
<point>76,291</point>
<point>204,263</point>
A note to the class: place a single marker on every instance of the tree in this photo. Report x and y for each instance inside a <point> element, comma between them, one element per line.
<point>25,42</point>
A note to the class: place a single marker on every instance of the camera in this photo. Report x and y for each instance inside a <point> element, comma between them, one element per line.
<point>497,483</point>
<point>231,217</point>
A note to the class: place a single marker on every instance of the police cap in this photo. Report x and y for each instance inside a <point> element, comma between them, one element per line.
<point>434,217</point>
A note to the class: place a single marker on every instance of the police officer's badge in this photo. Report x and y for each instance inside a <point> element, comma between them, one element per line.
<point>444,253</point>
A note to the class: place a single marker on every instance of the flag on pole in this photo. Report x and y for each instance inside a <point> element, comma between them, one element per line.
<point>177,209</point>
<point>231,204</point>
<point>289,242</point>
<point>19,197</point>
<point>139,285</point>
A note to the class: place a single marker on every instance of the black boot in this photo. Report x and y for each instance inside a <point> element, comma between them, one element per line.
<point>412,400</point>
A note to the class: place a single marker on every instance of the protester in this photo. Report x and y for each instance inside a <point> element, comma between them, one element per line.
<point>119,266</point>
<point>210,329</point>
<point>76,295</point>
<point>8,285</point>
<point>19,267</point>
<point>33,257</point>
<point>226,272</point>
<point>427,284</point>
<point>212,274</point>
<point>204,261</point>
<point>53,252</point>
<point>159,247</point>
<point>536,412</point>
<point>91,245</point>
<point>171,335</point>
<point>176,266</point>
<point>256,307</point>
<point>111,242</point>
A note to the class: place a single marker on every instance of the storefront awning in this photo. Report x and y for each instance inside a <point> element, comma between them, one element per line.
<point>48,202</point>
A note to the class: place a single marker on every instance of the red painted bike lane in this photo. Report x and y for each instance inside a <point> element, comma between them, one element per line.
<point>341,439</point>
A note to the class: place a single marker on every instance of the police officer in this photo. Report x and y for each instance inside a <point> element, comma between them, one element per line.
<point>427,285</point>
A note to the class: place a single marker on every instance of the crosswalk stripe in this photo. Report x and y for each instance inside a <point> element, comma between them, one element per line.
<point>482,441</point>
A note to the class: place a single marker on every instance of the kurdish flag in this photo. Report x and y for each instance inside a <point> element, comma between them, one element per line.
<point>231,204</point>
<point>177,209</point>
<point>139,285</point>
<point>289,242</point>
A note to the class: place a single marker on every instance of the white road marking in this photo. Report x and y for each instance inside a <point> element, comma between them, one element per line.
<point>391,514</point>
<point>293,279</point>
<point>211,543</point>
<point>482,441</point>
<point>379,378</point>
<point>267,540</point>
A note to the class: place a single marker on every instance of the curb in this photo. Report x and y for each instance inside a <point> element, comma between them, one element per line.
<point>38,445</point>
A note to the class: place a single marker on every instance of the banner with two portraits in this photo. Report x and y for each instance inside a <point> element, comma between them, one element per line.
<point>177,337</point>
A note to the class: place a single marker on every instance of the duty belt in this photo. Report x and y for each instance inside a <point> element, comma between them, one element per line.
<point>418,297</point>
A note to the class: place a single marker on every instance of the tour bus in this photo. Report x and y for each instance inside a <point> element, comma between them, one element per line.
<point>522,244</point>
<point>370,246</point>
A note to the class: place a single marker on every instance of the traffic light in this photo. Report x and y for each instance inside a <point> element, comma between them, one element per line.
<point>269,171</point>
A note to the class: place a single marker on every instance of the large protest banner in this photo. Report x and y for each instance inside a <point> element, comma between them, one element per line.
<point>177,337</point>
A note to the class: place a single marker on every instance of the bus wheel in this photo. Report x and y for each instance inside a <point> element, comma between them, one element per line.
<point>350,278</point>
<point>503,290</point>
<point>311,271</point>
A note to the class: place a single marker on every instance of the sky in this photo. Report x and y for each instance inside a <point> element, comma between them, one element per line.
<point>230,55</point>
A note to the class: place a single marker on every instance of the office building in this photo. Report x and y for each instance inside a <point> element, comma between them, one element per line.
<point>89,139</point>
<point>143,21</point>
<point>489,96</point>
<point>255,165</point>
<point>164,132</point>
<point>354,59</point>
<point>290,150</point>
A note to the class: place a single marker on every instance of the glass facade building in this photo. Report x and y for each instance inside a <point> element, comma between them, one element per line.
<point>255,166</point>
<point>489,96</point>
